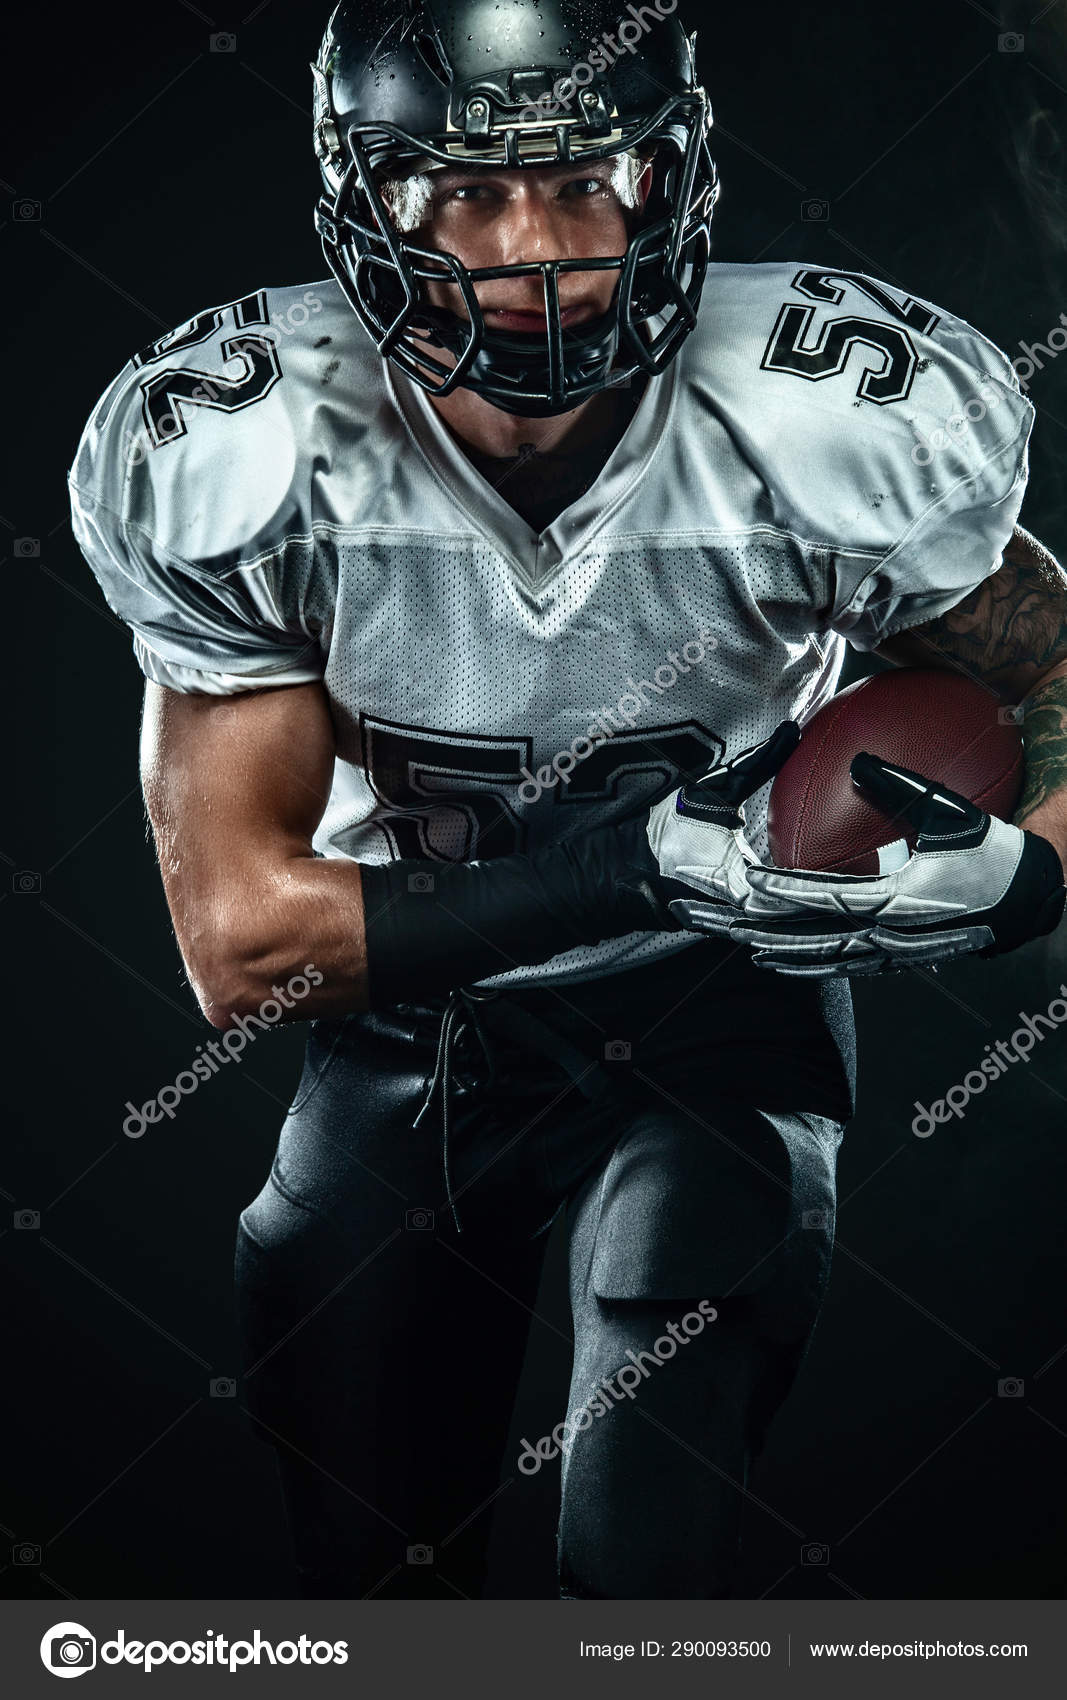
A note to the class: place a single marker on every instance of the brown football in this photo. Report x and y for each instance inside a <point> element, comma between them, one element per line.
<point>943,725</point>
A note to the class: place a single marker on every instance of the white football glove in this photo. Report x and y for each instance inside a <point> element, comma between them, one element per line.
<point>973,884</point>
<point>696,834</point>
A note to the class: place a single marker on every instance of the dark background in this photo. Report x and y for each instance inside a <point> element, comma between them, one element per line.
<point>150,177</point>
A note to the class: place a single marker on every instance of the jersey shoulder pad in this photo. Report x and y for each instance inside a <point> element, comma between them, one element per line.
<point>861,405</point>
<point>200,439</point>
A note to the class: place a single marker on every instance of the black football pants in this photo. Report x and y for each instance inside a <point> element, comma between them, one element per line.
<point>689,1133</point>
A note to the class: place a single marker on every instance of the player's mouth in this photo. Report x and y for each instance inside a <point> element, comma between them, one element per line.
<point>510,319</point>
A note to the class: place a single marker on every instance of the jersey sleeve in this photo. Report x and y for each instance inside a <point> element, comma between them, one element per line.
<point>951,475</point>
<point>197,546</point>
<point>195,631</point>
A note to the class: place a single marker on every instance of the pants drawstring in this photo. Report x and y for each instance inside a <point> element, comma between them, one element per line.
<point>524,1029</point>
<point>461,1003</point>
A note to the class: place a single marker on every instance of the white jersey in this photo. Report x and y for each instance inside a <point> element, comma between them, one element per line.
<point>266,502</point>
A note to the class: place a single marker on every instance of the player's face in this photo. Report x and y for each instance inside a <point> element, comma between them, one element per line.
<point>508,217</point>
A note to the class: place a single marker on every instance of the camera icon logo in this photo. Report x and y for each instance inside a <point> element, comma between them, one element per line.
<point>1010,715</point>
<point>420,882</point>
<point>223,1387</point>
<point>419,1221</point>
<point>617,1050</point>
<point>25,1552</point>
<point>815,211</point>
<point>817,1219</point>
<point>223,42</point>
<point>815,1552</point>
<point>68,1649</point>
<point>26,212</point>
<point>26,883</point>
<point>1011,1387</point>
<point>1010,42</point>
<point>420,1553</point>
<point>27,1219</point>
<point>27,548</point>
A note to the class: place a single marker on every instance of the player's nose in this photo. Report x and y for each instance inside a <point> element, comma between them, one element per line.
<point>530,229</point>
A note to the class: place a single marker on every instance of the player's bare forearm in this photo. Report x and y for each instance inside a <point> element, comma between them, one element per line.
<point>310,916</point>
<point>1011,634</point>
<point>235,787</point>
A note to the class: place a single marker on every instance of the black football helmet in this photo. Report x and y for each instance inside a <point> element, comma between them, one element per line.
<point>405,85</point>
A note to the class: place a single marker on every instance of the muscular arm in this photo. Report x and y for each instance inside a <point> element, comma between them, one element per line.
<point>1011,633</point>
<point>235,787</point>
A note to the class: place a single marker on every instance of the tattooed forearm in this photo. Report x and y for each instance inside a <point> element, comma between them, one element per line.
<point>1011,635</point>
<point>1008,632</point>
<point>1044,728</point>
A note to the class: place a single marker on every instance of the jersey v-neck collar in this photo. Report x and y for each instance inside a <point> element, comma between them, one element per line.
<point>536,556</point>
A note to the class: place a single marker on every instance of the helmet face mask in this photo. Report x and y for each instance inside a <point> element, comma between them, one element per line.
<point>509,114</point>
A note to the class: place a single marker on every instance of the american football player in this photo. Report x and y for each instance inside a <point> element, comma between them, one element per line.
<point>480,591</point>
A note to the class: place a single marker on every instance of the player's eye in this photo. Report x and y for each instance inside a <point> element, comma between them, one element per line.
<point>579,188</point>
<point>467,191</point>
<point>585,186</point>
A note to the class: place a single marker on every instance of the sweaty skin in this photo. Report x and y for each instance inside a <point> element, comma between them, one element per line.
<point>235,788</point>
<point>503,218</point>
